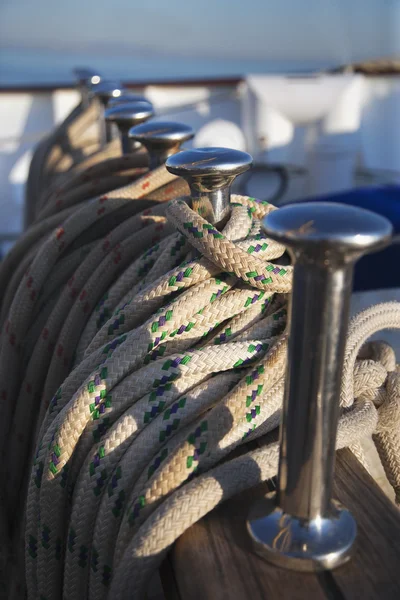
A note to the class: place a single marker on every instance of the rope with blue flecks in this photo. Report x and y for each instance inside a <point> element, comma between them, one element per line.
<point>180,324</point>
<point>172,395</point>
<point>34,279</point>
<point>180,363</point>
<point>32,359</point>
<point>45,259</point>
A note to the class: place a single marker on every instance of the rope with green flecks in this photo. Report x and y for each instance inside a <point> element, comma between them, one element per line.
<point>114,250</point>
<point>116,409</point>
<point>211,293</point>
<point>181,361</point>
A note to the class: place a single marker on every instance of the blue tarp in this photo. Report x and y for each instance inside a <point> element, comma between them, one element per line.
<point>382,269</point>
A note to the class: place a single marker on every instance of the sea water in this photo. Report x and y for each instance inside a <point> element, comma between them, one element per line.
<point>23,66</point>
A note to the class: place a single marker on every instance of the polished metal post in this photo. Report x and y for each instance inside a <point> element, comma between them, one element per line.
<point>127,115</point>
<point>210,173</point>
<point>104,91</point>
<point>161,139</point>
<point>126,98</point>
<point>87,79</point>
<point>301,527</point>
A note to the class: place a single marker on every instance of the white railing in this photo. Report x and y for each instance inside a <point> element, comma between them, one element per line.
<point>335,131</point>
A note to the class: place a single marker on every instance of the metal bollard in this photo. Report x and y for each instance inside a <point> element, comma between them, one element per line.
<point>87,79</point>
<point>300,527</point>
<point>161,139</point>
<point>126,116</point>
<point>104,91</point>
<point>126,98</point>
<point>210,173</point>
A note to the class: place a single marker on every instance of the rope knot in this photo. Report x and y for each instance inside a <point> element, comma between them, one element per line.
<point>381,352</point>
<point>389,409</point>
<point>369,377</point>
<point>247,259</point>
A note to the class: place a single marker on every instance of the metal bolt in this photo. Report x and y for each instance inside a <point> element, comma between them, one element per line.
<point>127,115</point>
<point>87,79</point>
<point>104,91</point>
<point>161,139</point>
<point>210,173</point>
<point>301,527</point>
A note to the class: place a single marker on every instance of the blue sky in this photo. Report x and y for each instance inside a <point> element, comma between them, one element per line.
<point>331,31</point>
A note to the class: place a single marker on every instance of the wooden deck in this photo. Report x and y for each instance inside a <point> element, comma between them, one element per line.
<point>213,560</point>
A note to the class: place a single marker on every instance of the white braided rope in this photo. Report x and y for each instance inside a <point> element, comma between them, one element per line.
<point>196,370</point>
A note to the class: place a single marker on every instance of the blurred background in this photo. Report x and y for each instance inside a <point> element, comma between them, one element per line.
<point>42,41</point>
<point>310,88</point>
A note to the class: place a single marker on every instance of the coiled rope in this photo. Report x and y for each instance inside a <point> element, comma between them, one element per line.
<point>139,370</point>
<point>76,137</point>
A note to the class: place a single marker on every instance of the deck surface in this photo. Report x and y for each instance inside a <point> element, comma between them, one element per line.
<point>213,560</point>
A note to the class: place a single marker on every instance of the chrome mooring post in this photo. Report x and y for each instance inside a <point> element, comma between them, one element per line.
<point>127,115</point>
<point>125,98</point>
<point>300,527</point>
<point>161,139</point>
<point>210,173</point>
<point>104,92</point>
<point>87,79</point>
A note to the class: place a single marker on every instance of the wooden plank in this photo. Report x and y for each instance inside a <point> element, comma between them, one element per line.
<point>214,560</point>
<point>155,590</point>
<point>168,580</point>
<point>375,569</point>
